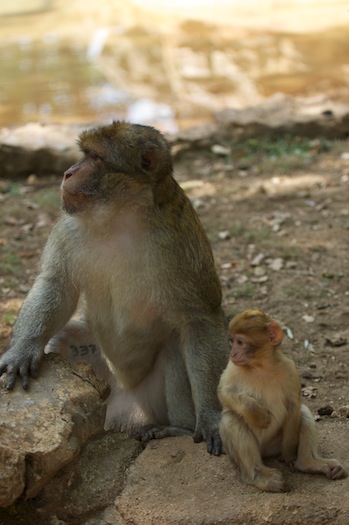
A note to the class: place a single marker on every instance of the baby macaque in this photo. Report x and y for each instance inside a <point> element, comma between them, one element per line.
<point>263,415</point>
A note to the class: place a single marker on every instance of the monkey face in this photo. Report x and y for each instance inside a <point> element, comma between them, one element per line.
<point>79,184</point>
<point>122,164</point>
<point>252,334</point>
<point>242,349</point>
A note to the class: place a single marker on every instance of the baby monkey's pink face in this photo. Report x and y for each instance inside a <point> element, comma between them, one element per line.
<point>252,336</point>
<point>241,349</point>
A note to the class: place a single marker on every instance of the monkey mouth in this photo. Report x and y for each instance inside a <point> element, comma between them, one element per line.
<point>73,202</point>
<point>239,362</point>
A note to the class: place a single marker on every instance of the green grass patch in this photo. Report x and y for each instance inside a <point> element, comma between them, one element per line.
<point>10,262</point>
<point>9,318</point>
<point>245,235</point>
<point>245,291</point>
<point>304,293</point>
<point>285,152</point>
<point>14,189</point>
<point>49,199</point>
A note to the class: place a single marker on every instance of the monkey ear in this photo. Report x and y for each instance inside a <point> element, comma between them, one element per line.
<point>149,157</point>
<point>275,333</point>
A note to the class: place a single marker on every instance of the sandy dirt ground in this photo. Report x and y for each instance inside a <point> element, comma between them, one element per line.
<point>277,216</point>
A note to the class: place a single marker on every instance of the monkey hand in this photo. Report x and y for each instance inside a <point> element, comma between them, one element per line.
<point>259,417</point>
<point>214,444</point>
<point>291,465</point>
<point>289,457</point>
<point>207,428</point>
<point>22,361</point>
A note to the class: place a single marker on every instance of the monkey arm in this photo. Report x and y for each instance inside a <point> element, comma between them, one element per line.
<point>245,406</point>
<point>204,371</point>
<point>48,306</point>
<point>255,414</point>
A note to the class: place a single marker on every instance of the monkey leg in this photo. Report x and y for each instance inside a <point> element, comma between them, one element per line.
<point>202,356</point>
<point>308,459</point>
<point>76,343</point>
<point>242,447</point>
<point>162,397</point>
<point>180,415</point>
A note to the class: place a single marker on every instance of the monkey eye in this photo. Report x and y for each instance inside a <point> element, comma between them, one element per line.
<point>94,156</point>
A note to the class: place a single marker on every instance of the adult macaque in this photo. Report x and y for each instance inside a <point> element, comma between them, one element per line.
<point>262,411</point>
<point>130,243</point>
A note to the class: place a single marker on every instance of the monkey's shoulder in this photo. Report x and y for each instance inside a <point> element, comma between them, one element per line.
<point>283,368</point>
<point>279,374</point>
<point>287,367</point>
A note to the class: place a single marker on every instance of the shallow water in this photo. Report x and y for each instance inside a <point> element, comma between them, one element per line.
<point>170,78</point>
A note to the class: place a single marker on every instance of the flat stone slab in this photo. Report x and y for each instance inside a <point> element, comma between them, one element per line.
<point>175,482</point>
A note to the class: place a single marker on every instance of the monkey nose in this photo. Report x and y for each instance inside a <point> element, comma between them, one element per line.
<point>68,173</point>
<point>66,176</point>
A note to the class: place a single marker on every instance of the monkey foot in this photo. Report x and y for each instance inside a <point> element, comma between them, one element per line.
<point>336,472</point>
<point>268,480</point>
<point>330,467</point>
<point>149,432</point>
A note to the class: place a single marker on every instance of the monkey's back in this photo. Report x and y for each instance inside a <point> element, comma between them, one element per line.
<point>181,241</point>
